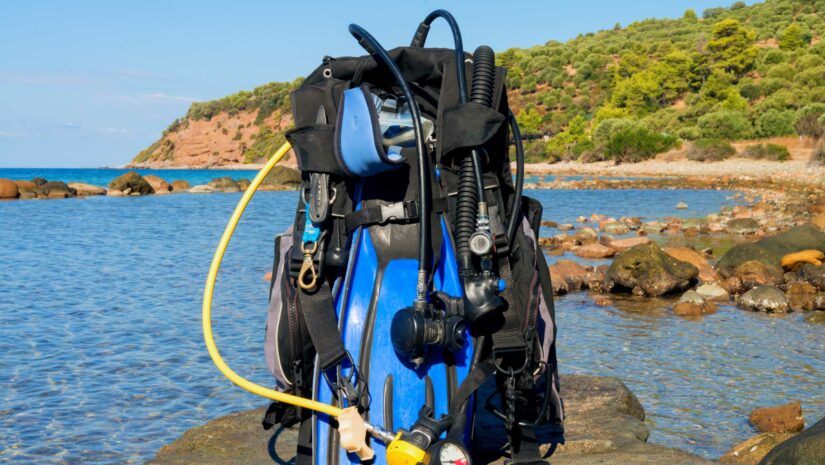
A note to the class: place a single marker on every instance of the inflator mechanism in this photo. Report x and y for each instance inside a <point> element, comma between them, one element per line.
<point>413,331</point>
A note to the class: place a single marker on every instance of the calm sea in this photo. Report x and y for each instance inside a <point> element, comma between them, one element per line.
<point>102,359</point>
<point>102,177</point>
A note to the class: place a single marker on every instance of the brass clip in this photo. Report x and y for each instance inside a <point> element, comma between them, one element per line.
<point>308,267</point>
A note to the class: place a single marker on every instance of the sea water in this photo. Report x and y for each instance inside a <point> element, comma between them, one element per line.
<point>102,358</point>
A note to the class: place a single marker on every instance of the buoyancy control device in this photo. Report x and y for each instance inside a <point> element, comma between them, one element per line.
<point>412,274</point>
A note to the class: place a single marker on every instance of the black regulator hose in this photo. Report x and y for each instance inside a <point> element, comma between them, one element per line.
<point>515,210</point>
<point>374,48</point>
<point>470,182</point>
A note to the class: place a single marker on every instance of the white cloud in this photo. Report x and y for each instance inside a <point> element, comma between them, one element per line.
<point>160,97</point>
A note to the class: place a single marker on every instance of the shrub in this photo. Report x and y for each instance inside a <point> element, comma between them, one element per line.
<point>689,133</point>
<point>773,152</point>
<point>635,144</point>
<point>818,156</point>
<point>725,124</point>
<point>810,121</point>
<point>710,150</point>
<point>774,123</point>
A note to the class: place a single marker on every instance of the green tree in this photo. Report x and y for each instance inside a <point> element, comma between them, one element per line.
<point>725,124</point>
<point>792,38</point>
<point>774,123</point>
<point>529,121</point>
<point>690,15</point>
<point>731,48</point>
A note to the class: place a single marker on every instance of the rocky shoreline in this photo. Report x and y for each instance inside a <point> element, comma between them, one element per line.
<point>135,184</point>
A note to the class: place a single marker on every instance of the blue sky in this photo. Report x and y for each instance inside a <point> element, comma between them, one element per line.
<point>91,83</point>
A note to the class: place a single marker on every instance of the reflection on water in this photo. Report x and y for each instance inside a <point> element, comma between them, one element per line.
<point>103,359</point>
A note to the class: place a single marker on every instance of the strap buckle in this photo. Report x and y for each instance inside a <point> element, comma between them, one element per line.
<point>398,211</point>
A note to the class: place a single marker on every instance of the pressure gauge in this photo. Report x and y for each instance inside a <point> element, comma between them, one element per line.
<point>448,452</point>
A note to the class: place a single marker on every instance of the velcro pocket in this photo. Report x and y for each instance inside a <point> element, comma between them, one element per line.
<point>314,146</point>
<point>468,125</point>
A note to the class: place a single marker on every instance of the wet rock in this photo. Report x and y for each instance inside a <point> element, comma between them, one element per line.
<point>281,178</point>
<point>115,193</point>
<point>566,227</point>
<point>647,270</point>
<point>681,206</point>
<point>570,273</point>
<point>602,300</point>
<point>597,280</point>
<point>596,217</point>
<point>586,235</point>
<point>244,183</point>
<point>201,189</point>
<point>806,448</point>
<point>132,182</point>
<point>743,226</point>
<point>180,185</point>
<point>800,296</point>
<point>84,189</point>
<point>693,304</point>
<point>767,299</point>
<point>8,189</point>
<point>158,184</point>
<point>620,245</point>
<point>706,272</point>
<point>754,449</point>
<point>224,184</point>
<point>27,194</point>
<point>594,250</point>
<point>815,275</point>
<point>797,259</point>
<point>582,219</point>
<point>780,419</point>
<point>549,224</point>
<point>712,291</point>
<point>751,274</point>
<point>653,227</point>
<point>817,206</point>
<point>548,242</point>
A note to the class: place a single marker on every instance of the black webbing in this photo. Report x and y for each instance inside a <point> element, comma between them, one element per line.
<point>322,324</point>
<point>510,336</point>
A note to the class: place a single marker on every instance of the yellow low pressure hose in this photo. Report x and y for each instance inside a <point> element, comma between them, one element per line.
<point>207,303</point>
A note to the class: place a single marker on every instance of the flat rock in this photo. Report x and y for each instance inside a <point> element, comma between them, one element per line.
<point>743,226</point>
<point>201,189</point>
<point>693,304</point>
<point>713,292</point>
<point>706,272</point>
<point>594,250</point>
<point>604,425</point>
<point>623,244</point>
<point>570,273</point>
<point>84,189</point>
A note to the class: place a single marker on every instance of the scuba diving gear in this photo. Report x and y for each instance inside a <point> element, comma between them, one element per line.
<point>406,178</point>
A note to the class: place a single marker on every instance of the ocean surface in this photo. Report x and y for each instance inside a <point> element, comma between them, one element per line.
<point>102,359</point>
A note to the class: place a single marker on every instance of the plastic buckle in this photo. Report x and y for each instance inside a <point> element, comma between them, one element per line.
<point>398,211</point>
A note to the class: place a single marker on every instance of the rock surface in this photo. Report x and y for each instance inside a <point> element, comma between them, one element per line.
<point>754,449</point>
<point>623,244</point>
<point>743,226</point>
<point>84,189</point>
<point>158,184</point>
<point>224,184</point>
<point>806,448</point>
<point>780,419</point>
<point>8,189</point>
<point>647,270</point>
<point>281,177</point>
<point>180,185</point>
<point>713,292</point>
<point>706,272</point>
<point>767,299</point>
<point>693,304</point>
<point>131,183</point>
<point>604,425</point>
<point>594,250</point>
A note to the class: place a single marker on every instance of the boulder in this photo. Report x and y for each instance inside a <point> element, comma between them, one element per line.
<point>819,221</point>
<point>8,189</point>
<point>586,235</point>
<point>815,275</point>
<point>201,189</point>
<point>597,280</point>
<point>282,177</point>
<point>693,304</point>
<point>806,448</point>
<point>712,291</point>
<point>647,270</point>
<point>27,194</point>
<point>767,299</point>
<point>180,185</point>
<point>244,183</point>
<point>754,449</point>
<point>549,224</point>
<point>620,245</point>
<point>158,184</point>
<point>131,183</point>
<point>780,419</point>
<point>743,226</point>
<point>39,181</point>
<point>566,227</point>
<point>594,250</point>
<point>115,193</point>
<point>800,296</point>
<point>570,273</point>
<point>751,274</point>
<point>706,272</point>
<point>653,227</point>
<point>84,189</point>
<point>224,184</point>
<point>55,190</point>
<point>681,206</point>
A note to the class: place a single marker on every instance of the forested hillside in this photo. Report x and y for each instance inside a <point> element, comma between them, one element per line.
<point>627,93</point>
